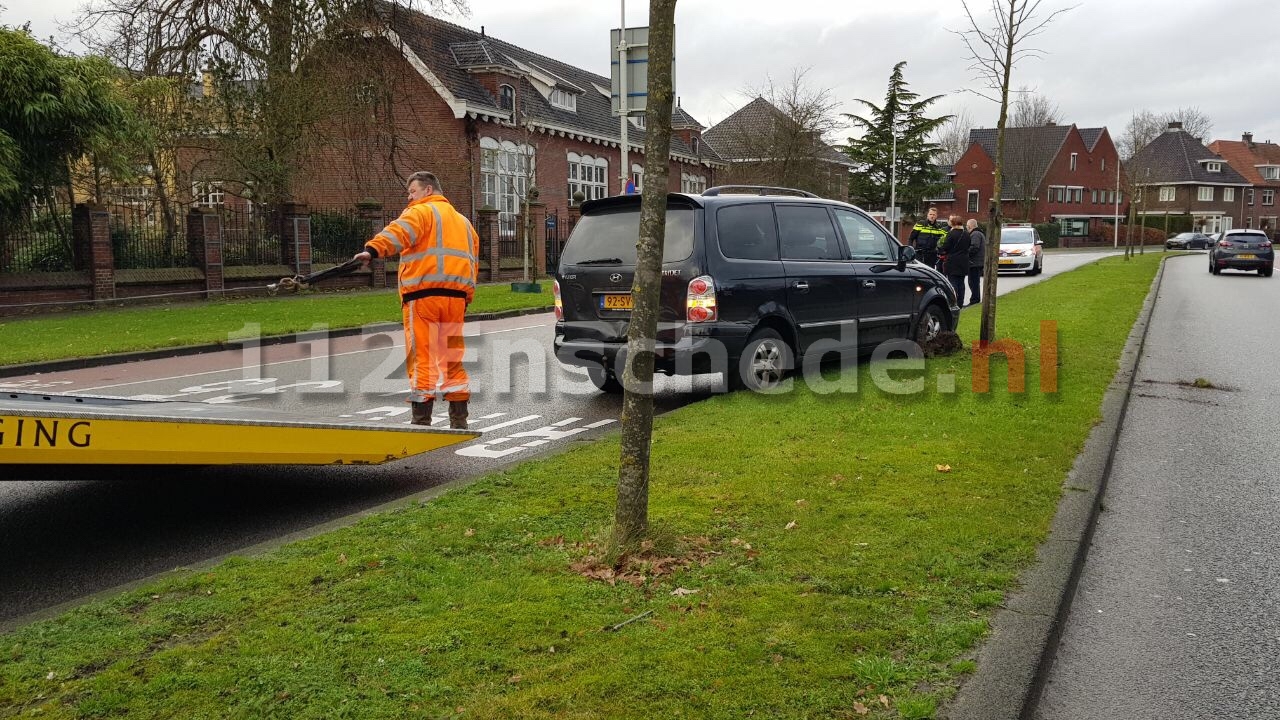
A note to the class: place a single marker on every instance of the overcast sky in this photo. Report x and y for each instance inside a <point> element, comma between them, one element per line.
<point>1102,60</point>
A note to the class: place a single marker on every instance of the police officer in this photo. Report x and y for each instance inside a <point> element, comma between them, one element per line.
<point>925,237</point>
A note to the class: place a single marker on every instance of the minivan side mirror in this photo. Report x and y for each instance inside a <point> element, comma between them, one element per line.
<point>906,254</point>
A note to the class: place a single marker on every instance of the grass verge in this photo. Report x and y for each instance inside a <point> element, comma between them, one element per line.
<point>824,565</point>
<point>114,330</point>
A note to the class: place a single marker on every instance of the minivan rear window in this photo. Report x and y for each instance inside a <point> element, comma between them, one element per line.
<point>747,231</point>
<point>610,237</point>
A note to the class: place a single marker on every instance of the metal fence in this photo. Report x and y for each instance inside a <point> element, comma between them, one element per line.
<point>37,239</point>
<point>250,235</point>
<point>146,234</point>
<point>337,234</point>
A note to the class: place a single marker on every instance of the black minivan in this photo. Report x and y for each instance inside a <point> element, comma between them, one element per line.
<point>752,279</point>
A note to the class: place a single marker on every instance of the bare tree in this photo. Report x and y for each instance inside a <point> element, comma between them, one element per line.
<point>784,141</point>
<point>1145,125</point>
<point>952,138</point>
<point>995,51</point>
<point>263,55</point>
<point>631,516</point>
<point>1032,109</point>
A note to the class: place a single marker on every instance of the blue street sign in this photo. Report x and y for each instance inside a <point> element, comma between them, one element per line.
<point>551,222</point>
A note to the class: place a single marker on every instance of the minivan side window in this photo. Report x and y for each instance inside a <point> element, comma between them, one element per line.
<point>866,240</point>
<point>747,232</point>
<point>807,233</point>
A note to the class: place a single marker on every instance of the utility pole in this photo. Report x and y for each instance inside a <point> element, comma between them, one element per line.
<point>1115,242</point>
<point>893,186</point>
<point>624,171</point>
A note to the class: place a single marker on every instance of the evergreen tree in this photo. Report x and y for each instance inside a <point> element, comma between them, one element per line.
<point>903,115</point>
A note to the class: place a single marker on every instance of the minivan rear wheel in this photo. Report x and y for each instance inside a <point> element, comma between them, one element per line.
<point>605,380</point>
<point>765,361</point>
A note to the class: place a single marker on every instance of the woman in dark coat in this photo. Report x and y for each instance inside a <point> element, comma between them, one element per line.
<point>956,264</point>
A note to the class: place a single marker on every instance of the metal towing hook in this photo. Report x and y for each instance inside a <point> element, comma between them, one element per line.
<point>300,281</point>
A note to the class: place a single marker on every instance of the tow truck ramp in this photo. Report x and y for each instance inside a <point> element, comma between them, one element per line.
<point>52,429</point>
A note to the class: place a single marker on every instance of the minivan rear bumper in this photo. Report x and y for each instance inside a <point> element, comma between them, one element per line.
<point>705,349</point>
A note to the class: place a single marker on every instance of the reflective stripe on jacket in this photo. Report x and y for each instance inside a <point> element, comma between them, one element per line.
<point>925,237</point>
<point>437,245</point>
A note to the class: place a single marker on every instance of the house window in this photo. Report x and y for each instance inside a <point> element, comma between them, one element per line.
<point>1119,197</point>
<point>1074,157</point>
<point>1205,194</point>
<point>563,99</point>
<point>1228,194</point>
<point>208,194</point>
<point>506,97</point>
<point>506,169</point>
<point>1248,196</point>
<point>972,204</point>
<point>1248,223</point>
<point>1268,197</point>
<point>1271,172</point>
<point>588,174</point>
<point>637,176</point>
<point>695,144</point>
<point>134,194</point>
<point>692,184</point>
<point>1077,195</point>
<point>1093,197</point>
<point>1168,193</point>
<point>1104,164</point>
<point>1213,167</point>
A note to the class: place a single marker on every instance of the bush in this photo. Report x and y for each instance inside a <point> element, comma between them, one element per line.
<point>335,237</point>
<point>1049,233</point>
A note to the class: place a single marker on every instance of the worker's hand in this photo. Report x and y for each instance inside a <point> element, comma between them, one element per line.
<point>364,257</point>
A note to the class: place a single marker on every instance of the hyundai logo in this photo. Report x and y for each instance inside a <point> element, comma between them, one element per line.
<point>616,277</point>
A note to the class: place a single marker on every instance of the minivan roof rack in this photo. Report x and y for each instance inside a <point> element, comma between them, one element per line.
<point>760,190</point>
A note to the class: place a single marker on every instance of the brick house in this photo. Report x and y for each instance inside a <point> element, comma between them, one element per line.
<point>1259,163</point>
<point>491,120</point>
<point>1177,175</point>
<point>763,146</point>
<point>1053,173</point>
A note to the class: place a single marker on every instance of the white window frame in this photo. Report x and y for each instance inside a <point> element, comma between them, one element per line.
<point>1204,193</point>
<point>1074,161</point>
<point>1104,164</point>
<point>637,176</point>
<point>638,120</point>
<point>1270,172</point>
<point>588,174</point>
<point>208,193</point>
<point>563,99</point>
<point>1077,195</point>
<point>1168,193</point>
<point>692,184</point>
<point>1228,194</point>
<point>506,97</point>
<point>1213,167</point>
<point>1268,197</point>
<point>971,201</point>
<point>506,169</point>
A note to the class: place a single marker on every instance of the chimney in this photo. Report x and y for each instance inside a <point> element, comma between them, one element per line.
<point>1175,125</point>
<point>481,31</point>
<point>1247,139</point>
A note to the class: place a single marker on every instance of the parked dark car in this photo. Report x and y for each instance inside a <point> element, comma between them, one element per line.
<point>1243,249</point>
<point>750,283</point>
<point>1189,241</point>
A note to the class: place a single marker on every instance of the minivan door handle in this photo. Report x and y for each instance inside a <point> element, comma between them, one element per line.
<point>800,285</point>
<point>868,283</point>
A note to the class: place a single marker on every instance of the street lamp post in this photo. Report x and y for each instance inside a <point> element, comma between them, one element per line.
<point>893,188</point>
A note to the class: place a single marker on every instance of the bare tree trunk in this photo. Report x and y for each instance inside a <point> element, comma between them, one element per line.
<point>631,518</point>
<point>987,331</point>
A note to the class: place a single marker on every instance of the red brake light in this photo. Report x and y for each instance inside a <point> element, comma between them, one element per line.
<point>699,286</point>
<point>555,292</point>
<point>700,303</point>
<point>1266,244</point>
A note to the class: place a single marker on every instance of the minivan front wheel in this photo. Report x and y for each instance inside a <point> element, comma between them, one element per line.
<point>931,323</point>
<point>765,360</point>
<point>605,380</point>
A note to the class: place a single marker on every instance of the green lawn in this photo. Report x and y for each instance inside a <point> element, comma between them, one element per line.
<point>821,560</point>
<point>101,332</point>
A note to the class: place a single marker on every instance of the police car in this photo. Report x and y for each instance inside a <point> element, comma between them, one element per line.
<point>1021,249</point>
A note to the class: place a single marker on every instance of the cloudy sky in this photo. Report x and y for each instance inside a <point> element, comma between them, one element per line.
<point>1101,61</point>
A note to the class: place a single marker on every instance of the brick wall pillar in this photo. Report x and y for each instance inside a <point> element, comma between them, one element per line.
<point>295,236</point>
<point>204,243</point>
<point>91,230</point>
<point>489,245</point>
<point>371,212</point>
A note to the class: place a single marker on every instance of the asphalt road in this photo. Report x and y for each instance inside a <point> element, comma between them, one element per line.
<point>1176,613</point>
<point>68,532</point>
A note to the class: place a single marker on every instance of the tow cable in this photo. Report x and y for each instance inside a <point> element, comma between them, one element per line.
<point>296,282</point>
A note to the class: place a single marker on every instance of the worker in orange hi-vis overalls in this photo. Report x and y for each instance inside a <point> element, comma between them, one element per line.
<point>438,248</point>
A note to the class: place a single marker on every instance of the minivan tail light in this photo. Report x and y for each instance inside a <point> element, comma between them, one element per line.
<point>555,292</point>
<point>700,305</point>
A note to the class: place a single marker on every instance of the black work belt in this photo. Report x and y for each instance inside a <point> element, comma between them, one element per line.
<point>432,292</point>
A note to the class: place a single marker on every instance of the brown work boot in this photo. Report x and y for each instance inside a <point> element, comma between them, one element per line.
<point>458,414</point>
<point>422,413</point>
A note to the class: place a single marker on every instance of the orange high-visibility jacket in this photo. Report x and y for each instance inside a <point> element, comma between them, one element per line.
<point>437,246</point>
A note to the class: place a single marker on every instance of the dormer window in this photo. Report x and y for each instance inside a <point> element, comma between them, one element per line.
<point>695,144</point>
<point>506,97</point>
<point>1270,172</point>
<point>563,99</point>
<point>1213,167</point>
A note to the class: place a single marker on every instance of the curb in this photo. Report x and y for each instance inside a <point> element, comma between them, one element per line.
<point>1013,664</point>
<point>164,353</point>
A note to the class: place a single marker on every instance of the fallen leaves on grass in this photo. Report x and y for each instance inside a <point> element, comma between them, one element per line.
<point>637,568</point>
<point>944,468</point>
<point>681,592</point>
<point>791,525</point>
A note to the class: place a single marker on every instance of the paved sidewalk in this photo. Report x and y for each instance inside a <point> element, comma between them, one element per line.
<point>1177,614</point>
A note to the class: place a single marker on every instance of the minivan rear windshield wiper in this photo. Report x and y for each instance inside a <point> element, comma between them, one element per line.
<point>601,261</point>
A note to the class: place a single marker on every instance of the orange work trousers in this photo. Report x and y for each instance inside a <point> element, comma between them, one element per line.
<point>434,347</point>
